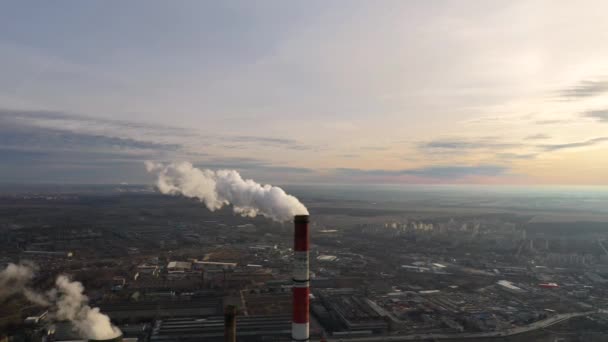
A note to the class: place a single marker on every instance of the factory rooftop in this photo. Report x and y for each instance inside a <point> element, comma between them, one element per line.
<point>249,328</point>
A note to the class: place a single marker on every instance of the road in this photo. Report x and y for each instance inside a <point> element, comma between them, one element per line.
<point>514,331</point>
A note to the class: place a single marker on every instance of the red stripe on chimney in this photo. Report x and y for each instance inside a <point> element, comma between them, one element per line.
<point>301,238</point>
<point>300,304</point>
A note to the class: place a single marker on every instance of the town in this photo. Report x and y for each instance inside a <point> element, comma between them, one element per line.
<point>164,269</point>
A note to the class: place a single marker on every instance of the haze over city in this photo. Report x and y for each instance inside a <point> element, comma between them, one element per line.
<point>408,92</point>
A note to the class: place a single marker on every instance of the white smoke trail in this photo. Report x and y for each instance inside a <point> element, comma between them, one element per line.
<point>72,305</point>
<point>218,188</point>
<point>66,301</point>
<point>15,279</point>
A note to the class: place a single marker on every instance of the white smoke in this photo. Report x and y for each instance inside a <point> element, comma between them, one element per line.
<point>66,301</point>
<point>223,187</point>
<point>15,278</point>
<point>72,305</point>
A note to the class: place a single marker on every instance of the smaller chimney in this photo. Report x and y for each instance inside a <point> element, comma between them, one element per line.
<point>230,323</point>
<point>301,282</point>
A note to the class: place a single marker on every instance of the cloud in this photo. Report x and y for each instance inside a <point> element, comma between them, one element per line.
<point>55,118</point>
<point>91,125</point>
<point>500,119</point>
<point>458,171</point>
<point>361,172</point>
<point>110,167</point>
<point>557,147</point>
<point>33,137</point>
<point>517,155</point>
<point>72,157</point>
<point>264,140</point>
<point>374,148</point>
<point>249,164</point>
<point>539,136</point>
<point>244,141</point>
<point>554,121</point>
<point>435,172</point>
<point>63,147</point>
<point>585,88</point>
<point>9,156</point>
<point>286,169</point>
<point>459,144</point>
<point>70,166</point>
<point>486,119</point>
<point>45,153</point>
<point>599,115</point>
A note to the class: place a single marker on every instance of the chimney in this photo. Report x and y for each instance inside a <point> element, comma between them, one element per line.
<point>230,323</point>
<point>300,324</point>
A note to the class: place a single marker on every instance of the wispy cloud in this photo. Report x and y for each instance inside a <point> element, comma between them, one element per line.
<point>434,172</point>
<point>586,143</point>
<point>263,140</point>
<point>555,121</point>
<point>248,164</point>
<point>517,155</point>
<point>599,115</point>
<point>71,166</point>
<point>374,148</point>
<point>33,137</point>
<point>539,136</point>
<point>458,171</point>
<point>583,89</point>
<point>500,119</point>
<point>82,124</point>
<point>460,144</point>
<point>59,119</point>
<point>46,153</point>
<point>244,141</point>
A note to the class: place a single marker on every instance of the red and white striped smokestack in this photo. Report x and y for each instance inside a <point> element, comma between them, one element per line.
<point>301,282</point>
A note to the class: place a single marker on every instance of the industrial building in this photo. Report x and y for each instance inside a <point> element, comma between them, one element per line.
<point>248,329</point>
<point>179,266</point>
<point>349,311</point>
<point>66,332</point>
<point>138,311</point>
<point>510,287</point>
<point>212,265</point>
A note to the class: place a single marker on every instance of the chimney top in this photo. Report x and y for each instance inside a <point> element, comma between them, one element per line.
<point>301,218</point>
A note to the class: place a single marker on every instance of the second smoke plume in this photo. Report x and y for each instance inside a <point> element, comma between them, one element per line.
<point>223,187</point>
<point>66,301</point>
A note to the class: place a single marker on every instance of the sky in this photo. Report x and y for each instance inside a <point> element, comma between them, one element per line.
<point>409,92</point>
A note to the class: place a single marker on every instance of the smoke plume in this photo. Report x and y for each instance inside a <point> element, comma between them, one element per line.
<point>72,305</point>
<point>223,187</point>
<point>66,301</point>
<point>15,278</point>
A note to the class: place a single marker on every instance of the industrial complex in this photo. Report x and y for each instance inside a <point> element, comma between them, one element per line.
<point>175,277</point>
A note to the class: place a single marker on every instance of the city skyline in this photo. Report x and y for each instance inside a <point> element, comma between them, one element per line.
<point>311,92</point>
